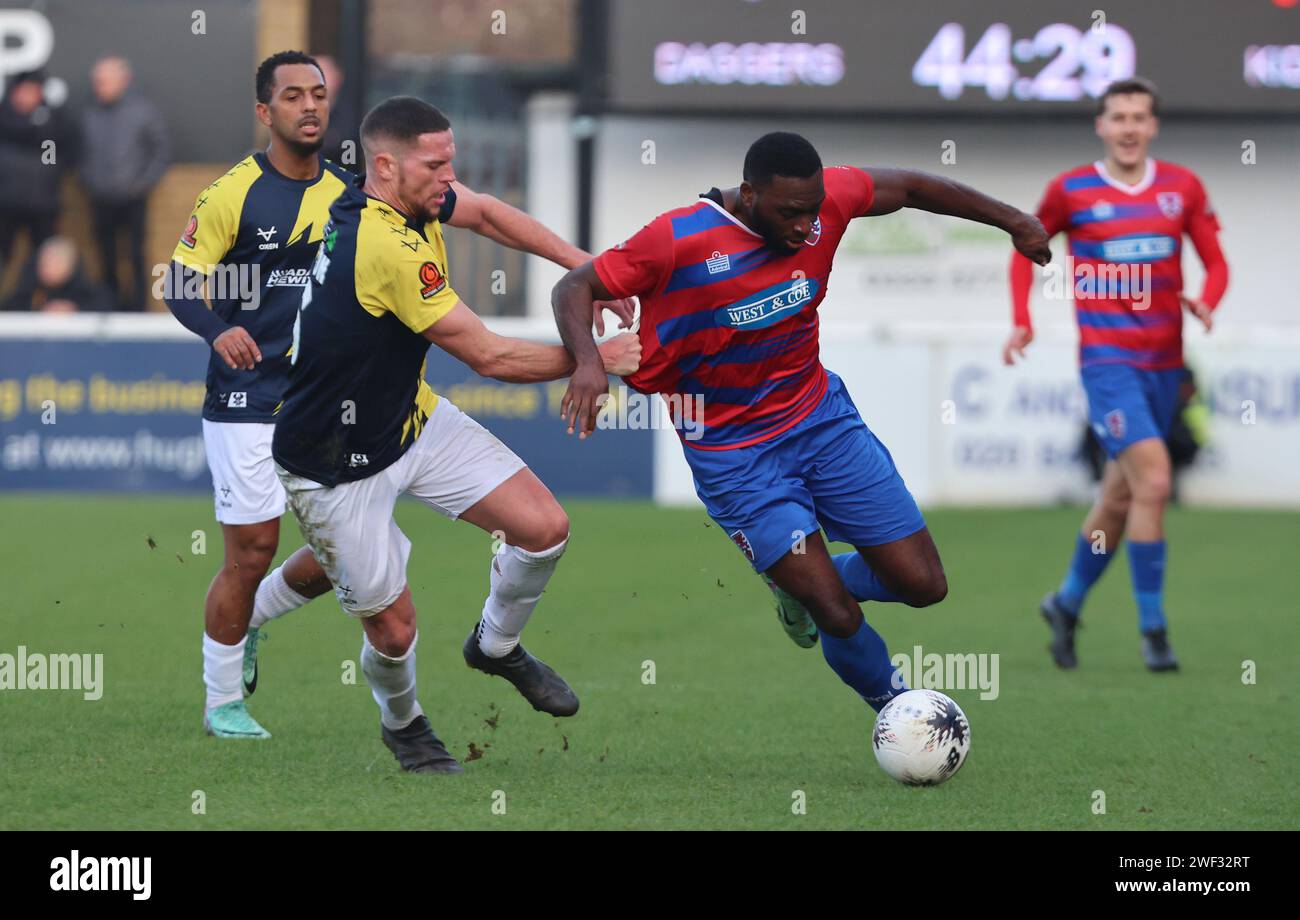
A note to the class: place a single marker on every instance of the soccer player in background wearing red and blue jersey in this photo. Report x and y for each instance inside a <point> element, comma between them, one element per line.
<point>1125,217</point>
<point>729,289</point>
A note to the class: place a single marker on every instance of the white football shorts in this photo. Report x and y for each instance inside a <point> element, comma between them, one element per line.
<point>453,464</point>
<point>245,487</point>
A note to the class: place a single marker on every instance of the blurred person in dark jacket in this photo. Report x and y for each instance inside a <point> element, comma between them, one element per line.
<point>56,282</point>
<point>344,123</point>
<point>127,152</point>
<point>30,167</point>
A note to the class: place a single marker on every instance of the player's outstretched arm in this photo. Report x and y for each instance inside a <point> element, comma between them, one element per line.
<point>505,224</point>
<point>572,300</point>
<point>493,218</point>
<point>462,334</point>
<point>910,188</point>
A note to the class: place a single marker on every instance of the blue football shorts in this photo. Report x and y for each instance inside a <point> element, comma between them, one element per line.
<point>1127,404</point>
<point>828,472</point>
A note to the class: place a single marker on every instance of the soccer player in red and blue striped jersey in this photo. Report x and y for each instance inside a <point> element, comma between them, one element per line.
<point>729,290</point>
<point>1125,217</point>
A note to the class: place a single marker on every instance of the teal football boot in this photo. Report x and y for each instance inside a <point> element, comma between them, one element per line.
<point>232,720</point>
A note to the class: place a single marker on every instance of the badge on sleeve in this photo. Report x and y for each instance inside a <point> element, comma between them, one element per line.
<point>431,279</point>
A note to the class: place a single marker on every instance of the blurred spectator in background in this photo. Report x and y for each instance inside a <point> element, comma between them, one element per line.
<point>126,154</point>
<point>344,123</point>
<point>30,168</point>
<point>56,282</point>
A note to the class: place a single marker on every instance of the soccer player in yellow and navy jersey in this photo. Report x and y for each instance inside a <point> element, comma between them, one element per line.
<point>360,426</point>
<point>249,242</point>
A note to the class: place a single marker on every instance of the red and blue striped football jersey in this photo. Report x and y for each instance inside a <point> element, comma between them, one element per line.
<point>1126,246</point>
<point>726,319</point>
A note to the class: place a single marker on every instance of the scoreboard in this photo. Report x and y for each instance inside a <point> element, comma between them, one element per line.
<point>955,56</point>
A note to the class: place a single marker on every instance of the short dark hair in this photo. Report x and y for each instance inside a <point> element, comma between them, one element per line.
<point>265,79</point>
<point>780,153</point>
<point>1127,88</point>
<point>403,119</point>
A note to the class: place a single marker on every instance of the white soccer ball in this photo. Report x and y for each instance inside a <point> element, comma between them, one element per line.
<point>921,738</point>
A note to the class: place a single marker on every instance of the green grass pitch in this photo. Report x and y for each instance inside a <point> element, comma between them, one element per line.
<point>736,721</point>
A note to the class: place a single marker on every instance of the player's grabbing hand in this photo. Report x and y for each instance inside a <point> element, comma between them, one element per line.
<point>621,354</point>
<point>624,309</point>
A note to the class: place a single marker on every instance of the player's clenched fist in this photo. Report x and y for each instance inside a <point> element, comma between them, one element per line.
<point>237,348</point>
<point>1031,239</point>
<point>622,354</point>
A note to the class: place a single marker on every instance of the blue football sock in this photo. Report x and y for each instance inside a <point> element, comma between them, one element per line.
<point>861,580</point>
<point>1085,568</point>
<point>1146,563</point>
<point>862,662</point>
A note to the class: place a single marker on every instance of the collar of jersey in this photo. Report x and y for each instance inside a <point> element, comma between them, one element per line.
<point>271,172</point>
<point>359,186</point>
<point>396,212</point>
<point>729,216</point>
<point>407,221</point>
<point>1142,184</point>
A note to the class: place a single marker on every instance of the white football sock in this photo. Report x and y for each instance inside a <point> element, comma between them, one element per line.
<point>518,579</point>
<point>274,598</point>
<point>223,671</point>
<point>392,682</point>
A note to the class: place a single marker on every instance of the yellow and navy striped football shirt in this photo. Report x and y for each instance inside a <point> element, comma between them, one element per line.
<point>357,398</point>
<point>253,233</point>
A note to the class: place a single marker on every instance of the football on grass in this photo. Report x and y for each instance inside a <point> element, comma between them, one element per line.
<point>921,738</point>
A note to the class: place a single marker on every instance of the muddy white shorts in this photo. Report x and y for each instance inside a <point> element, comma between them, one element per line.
<point>245,487</point>
<point>454,463</point>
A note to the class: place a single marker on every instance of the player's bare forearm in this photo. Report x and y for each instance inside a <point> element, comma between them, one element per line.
<point>571,301</point>
<point>511,227</point>
<point>461,333</point>
<point>909,188</point>
<point>519,361</point>
<point>494,219</point>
